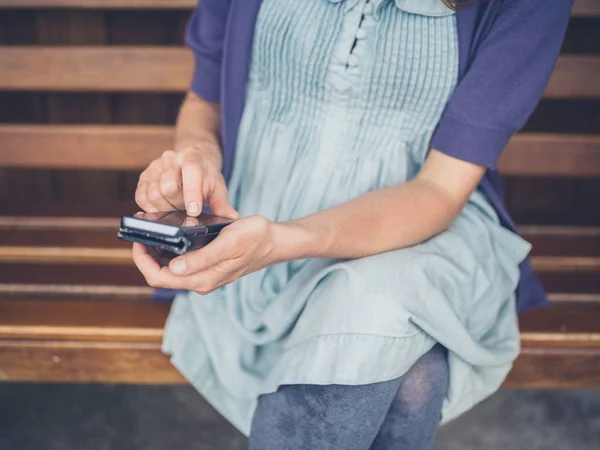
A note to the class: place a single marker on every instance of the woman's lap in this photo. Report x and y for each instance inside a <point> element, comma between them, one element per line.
<point>363,321</point>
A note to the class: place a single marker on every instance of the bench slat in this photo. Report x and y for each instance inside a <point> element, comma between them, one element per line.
<point>551,154</point>
<point>100,4</point>
<point>101,233</point>
<point>164,69</point>
<point>87,292</point>
<point>95,69</point>
<point>145,364</point>
<point>51,361</point>
<point>144,294</point>
<point>82,320</point>
<point>586,8</point>
<point>555,368</point>
<point>582,8</point>
<point>567,282</point>
<point>91,342</point>
<point>117,147</point>
<point>122,257</point>
<point>133,147</point>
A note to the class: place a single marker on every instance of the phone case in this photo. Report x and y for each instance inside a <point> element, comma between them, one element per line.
<point>173,239</point>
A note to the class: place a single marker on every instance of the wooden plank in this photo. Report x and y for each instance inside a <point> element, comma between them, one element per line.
<point>122,257</point>
<point>562,240</point>
<point>555,368</point>
<point>582,8</point>
<point>74,320</point>
<point>586,8</point>
<point>80,274</point>
<point>575,76</point>
<point>65,255</point>
<point>101,232</point>
<point>122,147</point>
<point>133,147</point>
<point>581,282</point>
<point>164,69</point>
<point>79,291</point>
<point>71,209</point>
<point>137,363</point>
<point>132,363</point>
<point>88,342</point>
<point>141,293</point>
<point>561,326</point>
<point>568,297</point>
<point>68,224</point>
<point>70,320</point>
<point>100,4</point>
<point>548,154</point>
<point>584,282</point>
<point>98,68</point>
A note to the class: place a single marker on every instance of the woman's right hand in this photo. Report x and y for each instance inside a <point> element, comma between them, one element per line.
<point>185,180</point>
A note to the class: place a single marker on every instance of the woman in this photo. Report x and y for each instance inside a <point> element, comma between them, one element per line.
<point>372,285</point>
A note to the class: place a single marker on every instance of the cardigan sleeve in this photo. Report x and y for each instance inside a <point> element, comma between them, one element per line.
<point>205,34</point>
<point>506,77</point>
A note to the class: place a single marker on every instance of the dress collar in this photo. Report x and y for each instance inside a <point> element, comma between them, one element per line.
<point>432,8</point>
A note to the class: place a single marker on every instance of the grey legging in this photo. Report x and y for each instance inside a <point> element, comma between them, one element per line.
<point>401,414</point>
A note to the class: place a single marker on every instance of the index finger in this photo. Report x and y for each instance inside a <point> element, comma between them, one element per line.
<point>191,176</point>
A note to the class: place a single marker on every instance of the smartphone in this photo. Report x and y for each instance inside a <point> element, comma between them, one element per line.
<point>173,232</point>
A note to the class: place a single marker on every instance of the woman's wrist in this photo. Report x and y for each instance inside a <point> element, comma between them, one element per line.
<point>296,240</point>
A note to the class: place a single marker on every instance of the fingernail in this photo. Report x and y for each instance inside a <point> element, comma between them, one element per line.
<point>189,222</point>
<point>193,209</point>
<point>179,267</point>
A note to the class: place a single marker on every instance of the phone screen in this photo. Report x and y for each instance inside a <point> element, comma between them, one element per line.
<point>181,219</point>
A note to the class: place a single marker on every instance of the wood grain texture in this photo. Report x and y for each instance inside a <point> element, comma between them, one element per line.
<point>127,147</point>
<point>582,8</point>
<point>98,68</point>
<point>100,4</point>
<point>586,8</point>
<point>536,367</point>
<point>555,368</point>
<point>122,147</point>
<point>122,257</point>
<point>560,325</point>
<point>133,363</point>
<point>80,274</point>
<point>100,232</point>
<point>65,255</point>
<point>164,69</point>
<point>575,76</point>
<point>76,320</point>
<point>548,154</point>
<point>90,342</point>
<point>84,292</point>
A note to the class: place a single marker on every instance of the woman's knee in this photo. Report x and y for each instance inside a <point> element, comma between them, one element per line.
<point>425,385</point>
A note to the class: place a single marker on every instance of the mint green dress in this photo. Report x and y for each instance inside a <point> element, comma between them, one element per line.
<point>343,98</point>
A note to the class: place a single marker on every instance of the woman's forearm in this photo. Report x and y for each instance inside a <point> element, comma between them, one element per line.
<point>386,219</point>
<point>199,124</point>
<point>380,221</point>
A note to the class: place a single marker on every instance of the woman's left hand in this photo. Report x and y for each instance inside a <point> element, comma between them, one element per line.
<point>245,246</point>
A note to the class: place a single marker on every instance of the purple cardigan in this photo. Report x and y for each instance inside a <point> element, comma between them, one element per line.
<point>507,49</point>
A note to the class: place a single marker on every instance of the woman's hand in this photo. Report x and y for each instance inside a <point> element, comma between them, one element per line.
<point>245,246</point>
<point>185,180</point>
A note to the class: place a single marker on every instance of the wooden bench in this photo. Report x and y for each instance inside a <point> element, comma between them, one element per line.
<point>73,307</point>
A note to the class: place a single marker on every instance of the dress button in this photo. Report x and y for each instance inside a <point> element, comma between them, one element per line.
<point>368,9</point>
<point>361,34</point>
